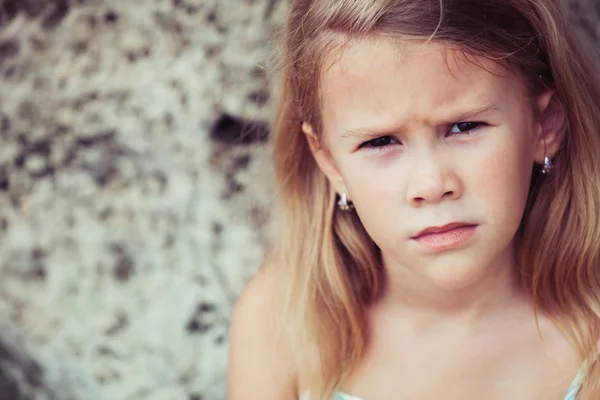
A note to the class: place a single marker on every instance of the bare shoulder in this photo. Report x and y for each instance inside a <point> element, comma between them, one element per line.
<point>258,365</point>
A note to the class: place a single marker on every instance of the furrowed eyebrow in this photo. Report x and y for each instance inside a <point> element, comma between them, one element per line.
<point>460,116</point>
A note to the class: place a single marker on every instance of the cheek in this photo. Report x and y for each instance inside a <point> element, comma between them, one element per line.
<point>501,177</point>
<point>377,195</point>
<point>369,181</point>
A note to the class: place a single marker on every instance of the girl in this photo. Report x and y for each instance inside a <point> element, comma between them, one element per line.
<point>438,173</point>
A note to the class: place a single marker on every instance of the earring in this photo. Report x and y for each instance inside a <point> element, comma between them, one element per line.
<point>547,166</point>
<point>344,204</point>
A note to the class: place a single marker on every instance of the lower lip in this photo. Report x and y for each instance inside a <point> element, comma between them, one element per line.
<point>447,239</point>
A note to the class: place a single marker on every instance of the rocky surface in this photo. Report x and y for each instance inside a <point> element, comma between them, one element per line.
<point>133,198</point>
<point>134,190</point>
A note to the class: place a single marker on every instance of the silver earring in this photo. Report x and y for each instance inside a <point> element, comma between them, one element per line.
<point>343,203</point>
<point>547,166</point>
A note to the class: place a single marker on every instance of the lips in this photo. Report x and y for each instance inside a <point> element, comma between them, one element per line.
<point>441,229</point>
<point>441,238</point>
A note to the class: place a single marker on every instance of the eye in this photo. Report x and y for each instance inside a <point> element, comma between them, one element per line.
<point>465,128</point>
<point>379,143</point>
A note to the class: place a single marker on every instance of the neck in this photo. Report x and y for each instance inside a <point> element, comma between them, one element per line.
<point>497,289</point>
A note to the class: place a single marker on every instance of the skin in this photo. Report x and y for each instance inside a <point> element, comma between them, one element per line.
<point>407,164</point>
<point>404,135</point>
<point>423,138</point>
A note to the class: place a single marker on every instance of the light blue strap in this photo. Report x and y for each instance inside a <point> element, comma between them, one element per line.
<point>575,386</point>
<point>571,393</point>
<point>344,396</point>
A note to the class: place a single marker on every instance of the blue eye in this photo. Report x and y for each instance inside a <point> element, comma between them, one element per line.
<point>465,128</point>
<point>380,143</point>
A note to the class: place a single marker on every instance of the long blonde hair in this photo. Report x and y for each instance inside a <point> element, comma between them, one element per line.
<point>331,269</point>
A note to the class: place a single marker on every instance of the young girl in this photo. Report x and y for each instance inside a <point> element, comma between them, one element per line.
<point>438,166</point>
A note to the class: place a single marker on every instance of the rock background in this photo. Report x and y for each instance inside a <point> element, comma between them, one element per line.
<point>135,190</point>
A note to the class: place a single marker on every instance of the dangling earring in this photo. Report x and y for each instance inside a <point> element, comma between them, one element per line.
<point>547,163</point>
<point>344,204</point>
<point>547,166</point>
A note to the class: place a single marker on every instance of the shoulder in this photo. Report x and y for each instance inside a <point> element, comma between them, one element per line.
<point>258,364</point>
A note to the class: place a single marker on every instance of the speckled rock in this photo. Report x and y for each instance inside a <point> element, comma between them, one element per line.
<point>135,190</point>
<point>133,198</point>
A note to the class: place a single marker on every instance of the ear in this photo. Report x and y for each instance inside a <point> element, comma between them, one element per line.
<point>551,126</point>
<point>324,160</point>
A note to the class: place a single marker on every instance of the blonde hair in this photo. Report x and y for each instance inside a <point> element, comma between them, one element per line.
<point>332,269</point>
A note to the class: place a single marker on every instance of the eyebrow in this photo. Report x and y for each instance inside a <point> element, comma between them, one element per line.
<point>460,116</point>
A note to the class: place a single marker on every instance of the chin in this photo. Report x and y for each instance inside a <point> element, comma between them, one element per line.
<point>450,276</point>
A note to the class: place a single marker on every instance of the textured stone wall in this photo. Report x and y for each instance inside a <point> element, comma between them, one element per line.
<point>135,190</point>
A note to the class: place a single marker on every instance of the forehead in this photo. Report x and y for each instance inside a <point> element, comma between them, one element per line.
<point>379,78</point>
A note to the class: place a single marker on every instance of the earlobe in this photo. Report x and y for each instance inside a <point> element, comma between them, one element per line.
<point>552,126</point>
<point>324,159</point>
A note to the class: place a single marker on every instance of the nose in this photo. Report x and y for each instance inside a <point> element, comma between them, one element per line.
<point>432,180</point>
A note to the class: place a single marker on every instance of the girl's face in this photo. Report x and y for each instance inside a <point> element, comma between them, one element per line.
<point>419,137</point>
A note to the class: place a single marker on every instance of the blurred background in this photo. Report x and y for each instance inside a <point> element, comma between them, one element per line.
<point>135,190</point>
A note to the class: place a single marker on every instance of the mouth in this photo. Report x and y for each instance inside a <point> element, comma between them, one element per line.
<point>442,229</point>
<point>445,237</point>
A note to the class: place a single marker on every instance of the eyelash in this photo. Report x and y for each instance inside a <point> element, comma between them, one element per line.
<point>370,145</point>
